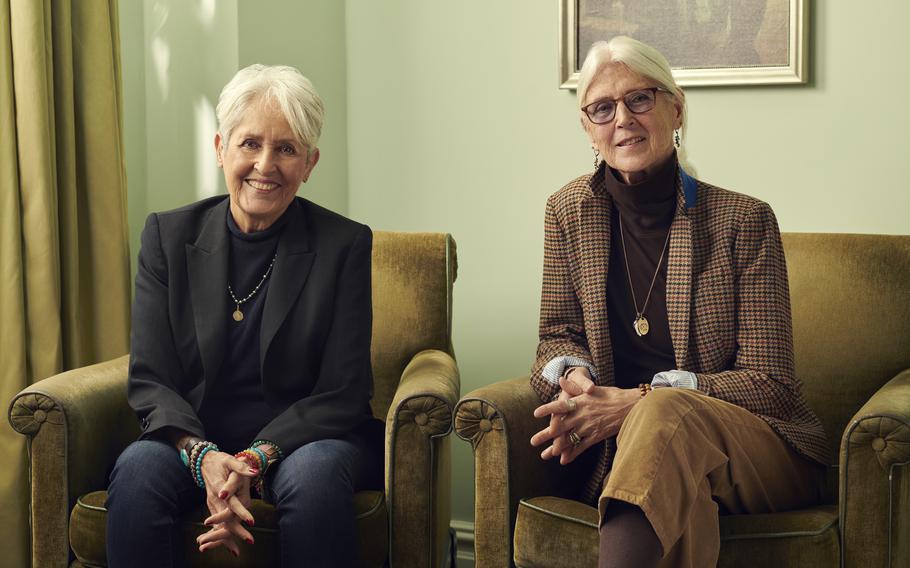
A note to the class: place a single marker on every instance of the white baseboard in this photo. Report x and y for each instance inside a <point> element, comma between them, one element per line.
<point>464,539</point>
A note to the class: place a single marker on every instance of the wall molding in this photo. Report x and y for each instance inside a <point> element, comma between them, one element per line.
<point>464,541</point>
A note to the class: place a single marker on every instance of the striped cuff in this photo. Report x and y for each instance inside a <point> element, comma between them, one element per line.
<point>557,366</point>
<point>678,379</point>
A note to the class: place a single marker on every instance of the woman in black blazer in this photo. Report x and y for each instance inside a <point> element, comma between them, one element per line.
<point>250,358</point>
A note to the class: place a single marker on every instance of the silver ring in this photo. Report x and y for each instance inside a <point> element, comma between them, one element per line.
<point>571,404</point>
<point>574,438</point>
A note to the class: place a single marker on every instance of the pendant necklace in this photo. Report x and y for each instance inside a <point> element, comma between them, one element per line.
<point>641,325</point>
<point>238,315</point>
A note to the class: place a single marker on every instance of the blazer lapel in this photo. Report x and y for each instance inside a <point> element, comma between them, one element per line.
<point>292,267</point>
<point>207,267</point>
<point>679,278</point>
<point>594,228</point>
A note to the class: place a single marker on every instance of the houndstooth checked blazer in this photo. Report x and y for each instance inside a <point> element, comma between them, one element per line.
<point>728,303</point>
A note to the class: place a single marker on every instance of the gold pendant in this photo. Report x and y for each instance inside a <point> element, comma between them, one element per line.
<point>238,315</point>
<point>641,326</point>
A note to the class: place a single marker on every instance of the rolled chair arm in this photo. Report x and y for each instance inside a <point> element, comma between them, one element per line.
<point>874,460</point>
<point>77,423</point>
<point>498,421</point>
<point>418,459</point>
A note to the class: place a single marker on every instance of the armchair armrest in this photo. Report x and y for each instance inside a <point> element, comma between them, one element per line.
<point>874,459</point>
<point>498,421</point>
<point>77,423</point>
<point>418,458</point>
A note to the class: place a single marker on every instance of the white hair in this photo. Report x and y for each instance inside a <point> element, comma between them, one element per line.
<point>282,85</point>
<point>639,57</point>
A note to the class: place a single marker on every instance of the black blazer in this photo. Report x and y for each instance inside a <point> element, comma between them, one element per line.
<point>316,324</point>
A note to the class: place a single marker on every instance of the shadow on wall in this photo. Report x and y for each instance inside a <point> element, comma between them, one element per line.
<point>181,94</point>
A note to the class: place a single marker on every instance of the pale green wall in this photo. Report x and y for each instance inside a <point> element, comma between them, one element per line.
<point>445,116</point>
<point>456,124</point>
<point>310,36</point>
<point>178,54</point>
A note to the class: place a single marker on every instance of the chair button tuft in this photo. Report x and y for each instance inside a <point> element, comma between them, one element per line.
<point>879,444</point>
<point>40,416</point>
<point>485,425</point>
<point>421,419</point>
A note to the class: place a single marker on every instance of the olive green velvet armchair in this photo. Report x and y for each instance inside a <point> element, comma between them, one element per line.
<point>851,324</point>
<point>78,422</point>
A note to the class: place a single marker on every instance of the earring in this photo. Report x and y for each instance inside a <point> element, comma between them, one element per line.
<point>676,137</point>
<point>596,159</point>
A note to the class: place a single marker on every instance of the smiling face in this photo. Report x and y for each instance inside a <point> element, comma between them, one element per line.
<point>633,144</point>
<point>264,164</point>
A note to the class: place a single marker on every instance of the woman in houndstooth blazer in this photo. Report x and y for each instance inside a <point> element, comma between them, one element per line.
<point>665,335</point>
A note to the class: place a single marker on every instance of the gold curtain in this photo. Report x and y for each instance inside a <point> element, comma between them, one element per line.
<point>64,259</point>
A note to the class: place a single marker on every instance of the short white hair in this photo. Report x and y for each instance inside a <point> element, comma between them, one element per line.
<point>639,57</point>
<point>279,84</point>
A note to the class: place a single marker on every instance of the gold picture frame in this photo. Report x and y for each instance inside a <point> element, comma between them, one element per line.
<point>742,42</point>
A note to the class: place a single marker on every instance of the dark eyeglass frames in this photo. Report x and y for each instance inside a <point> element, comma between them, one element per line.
<point>638,101</point>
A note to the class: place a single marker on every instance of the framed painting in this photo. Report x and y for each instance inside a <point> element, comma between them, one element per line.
<point>707,42</point>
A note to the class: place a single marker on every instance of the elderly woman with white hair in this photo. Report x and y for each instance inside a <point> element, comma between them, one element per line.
<point>665,334</point>
<point>250,359</point>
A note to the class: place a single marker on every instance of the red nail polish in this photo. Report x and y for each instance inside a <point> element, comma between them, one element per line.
<point>222,494</point>
<point>249,541</point>
<point>235,553</point>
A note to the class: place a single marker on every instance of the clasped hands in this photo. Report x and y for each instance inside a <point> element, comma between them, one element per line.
<point>227,488</point>
<point>582,415</point>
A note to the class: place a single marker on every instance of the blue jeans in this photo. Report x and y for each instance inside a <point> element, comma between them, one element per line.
<point>312,490</point>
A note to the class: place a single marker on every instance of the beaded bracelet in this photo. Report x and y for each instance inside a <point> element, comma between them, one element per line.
<point>252,458</point>
<point>259,484</point>
<point>199,450</point>
<point>269,443</point>
<point>263,459</point>
<point>644,388</point>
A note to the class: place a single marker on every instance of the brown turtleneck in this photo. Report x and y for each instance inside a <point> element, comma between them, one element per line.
<point>647,211</point>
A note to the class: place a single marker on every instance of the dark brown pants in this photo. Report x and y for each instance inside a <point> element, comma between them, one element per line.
<point>684,457</point>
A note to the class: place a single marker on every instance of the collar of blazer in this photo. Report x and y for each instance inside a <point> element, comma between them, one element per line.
<point>595,226</point>
<point>207,270</point>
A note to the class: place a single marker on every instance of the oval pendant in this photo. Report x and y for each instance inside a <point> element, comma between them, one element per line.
<point>238,315</point>
<point>641,326</point>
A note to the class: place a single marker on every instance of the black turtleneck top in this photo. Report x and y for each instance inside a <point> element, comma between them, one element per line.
<point>647,211</point>
<point>234,409</point>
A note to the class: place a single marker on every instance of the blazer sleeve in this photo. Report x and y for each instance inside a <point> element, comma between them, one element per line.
<point>340,400</point>
<point>155,375</point>
<point>762,379</point>
<point>562,328</point>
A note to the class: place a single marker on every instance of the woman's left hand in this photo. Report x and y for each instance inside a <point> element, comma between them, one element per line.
<point>597,415</point>
<point>227,487</point>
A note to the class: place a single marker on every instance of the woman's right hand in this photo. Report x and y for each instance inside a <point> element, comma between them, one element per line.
<point>227,487</point>
<point>577,382</point>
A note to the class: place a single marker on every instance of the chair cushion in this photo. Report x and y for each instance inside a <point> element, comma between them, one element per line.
<point>553,532</point>
<point>89,517</point>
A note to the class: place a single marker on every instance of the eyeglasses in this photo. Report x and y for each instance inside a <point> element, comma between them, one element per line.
<point>638,101</point>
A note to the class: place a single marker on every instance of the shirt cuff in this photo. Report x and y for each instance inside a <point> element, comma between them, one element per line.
<point>557,366</point>
<point>675,378</point>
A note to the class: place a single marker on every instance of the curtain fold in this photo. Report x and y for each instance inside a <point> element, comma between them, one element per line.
<point>64,259</point>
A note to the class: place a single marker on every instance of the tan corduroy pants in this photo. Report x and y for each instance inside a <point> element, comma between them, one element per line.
<point>684,458</point>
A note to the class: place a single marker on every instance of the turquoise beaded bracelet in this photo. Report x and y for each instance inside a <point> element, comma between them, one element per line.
<point>197,469</point>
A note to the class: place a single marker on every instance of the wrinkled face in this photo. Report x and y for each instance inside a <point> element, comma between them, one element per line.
<point>264,163</point>
<point>633,144</point>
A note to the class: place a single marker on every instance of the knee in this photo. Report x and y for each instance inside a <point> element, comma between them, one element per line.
<point>665,403</point>
<point>318,471</point>
<point>143,465</point>
<point>662,410</point>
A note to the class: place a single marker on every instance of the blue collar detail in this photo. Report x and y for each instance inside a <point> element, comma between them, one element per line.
<point>690,188</point>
